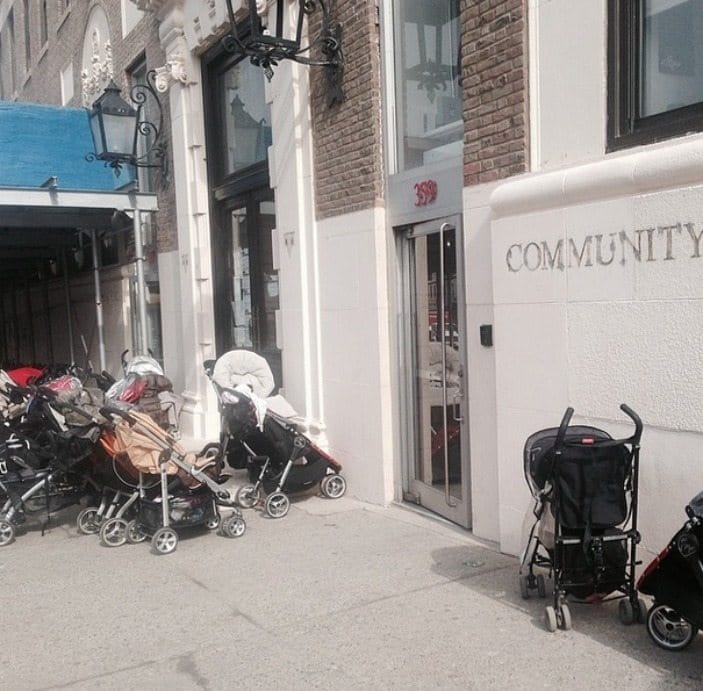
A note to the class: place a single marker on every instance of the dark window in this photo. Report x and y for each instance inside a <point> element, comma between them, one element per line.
<point>655,70</point>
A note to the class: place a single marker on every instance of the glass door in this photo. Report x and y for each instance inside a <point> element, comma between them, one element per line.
<point>247,282</point>
<point>437,472</point>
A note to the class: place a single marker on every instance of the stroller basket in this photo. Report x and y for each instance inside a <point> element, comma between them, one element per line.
<point>584,483</point>
<point>183,511</point>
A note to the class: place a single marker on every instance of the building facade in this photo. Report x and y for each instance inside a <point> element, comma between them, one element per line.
<point>498,220</point>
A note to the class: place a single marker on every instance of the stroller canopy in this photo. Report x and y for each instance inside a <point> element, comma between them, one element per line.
<point>244,367</point>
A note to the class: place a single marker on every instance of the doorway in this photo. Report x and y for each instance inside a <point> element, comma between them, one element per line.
<point>246,285</point>
<point>436,473</point>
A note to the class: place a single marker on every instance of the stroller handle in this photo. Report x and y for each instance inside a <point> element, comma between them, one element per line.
<point>563,426</point>
<point>635,418</point>
<point>109,413</point>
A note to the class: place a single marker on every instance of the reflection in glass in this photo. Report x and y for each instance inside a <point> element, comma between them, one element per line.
<point>241,281</point>
<point>671,57</point>
<point>438,364</point>
<point>246,116</point>
<point>430,125</point>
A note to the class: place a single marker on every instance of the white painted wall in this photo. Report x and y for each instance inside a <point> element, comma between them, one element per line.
<point>609,328</point>
<point>355,350</point>
<point>567,63</point>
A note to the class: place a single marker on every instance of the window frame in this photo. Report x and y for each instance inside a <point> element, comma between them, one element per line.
<point>625,128</point>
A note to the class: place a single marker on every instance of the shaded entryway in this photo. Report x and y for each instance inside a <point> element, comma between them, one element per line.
<point>59,215</point>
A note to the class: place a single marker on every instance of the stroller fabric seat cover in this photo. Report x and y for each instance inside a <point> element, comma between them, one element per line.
<point>590,484</point>
<point>143,451</point>
<point>539,453</point>
<point>244,367</point>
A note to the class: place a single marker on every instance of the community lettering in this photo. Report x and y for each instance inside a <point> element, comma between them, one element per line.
<point>659,243</point>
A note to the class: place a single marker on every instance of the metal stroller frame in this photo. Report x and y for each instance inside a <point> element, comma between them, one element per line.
<point>547,457</point>
<point>153,516</point>
<point>275,465</point>
<point>304,465</point>
<point>52,480</point>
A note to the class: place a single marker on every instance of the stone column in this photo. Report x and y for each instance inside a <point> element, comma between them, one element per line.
<point>188,313</point>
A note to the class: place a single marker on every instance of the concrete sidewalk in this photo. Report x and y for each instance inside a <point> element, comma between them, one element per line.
<point>337,595</point>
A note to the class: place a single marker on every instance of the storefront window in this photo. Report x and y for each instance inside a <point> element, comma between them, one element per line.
<point>672,76</point>
<point>246,117</point>
<point>430,125</point>
<point>655,70</point>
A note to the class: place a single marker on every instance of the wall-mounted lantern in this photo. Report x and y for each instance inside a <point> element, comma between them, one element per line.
<point>116,127</point>
<point>267,45</point>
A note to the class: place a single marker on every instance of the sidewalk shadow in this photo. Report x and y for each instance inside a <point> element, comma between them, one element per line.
<point>495,576</point>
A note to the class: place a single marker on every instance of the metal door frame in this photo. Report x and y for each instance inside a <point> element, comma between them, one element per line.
<point>457,511</point>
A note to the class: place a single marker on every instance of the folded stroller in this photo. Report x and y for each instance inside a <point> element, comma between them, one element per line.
<point>189,493</point>
<point>584,484</point>
<point>280,459</point>
<point>43,466</point>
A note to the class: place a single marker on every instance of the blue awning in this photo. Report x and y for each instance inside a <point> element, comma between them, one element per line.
<point>40,142</point>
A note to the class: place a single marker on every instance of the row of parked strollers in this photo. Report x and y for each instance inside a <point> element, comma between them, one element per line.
<point>69,438</point>
<point>585,535</point>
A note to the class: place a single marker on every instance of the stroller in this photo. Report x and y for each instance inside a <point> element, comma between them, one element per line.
<point>675,580</point>
<point>43,465</point>
<point>189,491</point>
<point>146,389</point>
<point>279,458</point>
<point>584,484</point>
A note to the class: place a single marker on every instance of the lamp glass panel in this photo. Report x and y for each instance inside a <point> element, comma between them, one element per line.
<point>429,119</point>
<point>96,131</point>
<point>119,133</point>
<point>246,116</point>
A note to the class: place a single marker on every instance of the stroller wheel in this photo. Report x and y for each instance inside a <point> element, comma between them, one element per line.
<point>164,541</point>
<point>333,486</point>
<point>248,496</point>
<point>7,532</point>
<point>668,629</point>
<point>135,534</point>
<point>233,526</point>
<point>524,589</point>
<point>214,522</point>
<point>113,532</point>
<point>88,521</point>
<point>277,505</point>
<point>565,617</point>
<point>550,618</point>
<point>626,612</point>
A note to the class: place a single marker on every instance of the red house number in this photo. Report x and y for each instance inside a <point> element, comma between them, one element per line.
<point>425,192</point>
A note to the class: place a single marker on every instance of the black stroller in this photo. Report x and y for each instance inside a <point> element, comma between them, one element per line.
<point>675,580</point>
<point>279,458</point>
<point>44,466</point>
<point>585,486</point>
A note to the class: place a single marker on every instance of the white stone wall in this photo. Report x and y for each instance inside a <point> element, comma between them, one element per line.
<point>355,351</point>
<point>593,265</point>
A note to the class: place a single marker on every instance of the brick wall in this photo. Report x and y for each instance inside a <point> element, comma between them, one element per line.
<point>348,151</point>
<point>494,74</point>
<point>40,80</point>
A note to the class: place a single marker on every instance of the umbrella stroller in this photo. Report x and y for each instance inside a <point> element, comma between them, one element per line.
<point>190,491</point>
<point>675,580</point>
<point>584,484</point>
<point>280,459</point>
